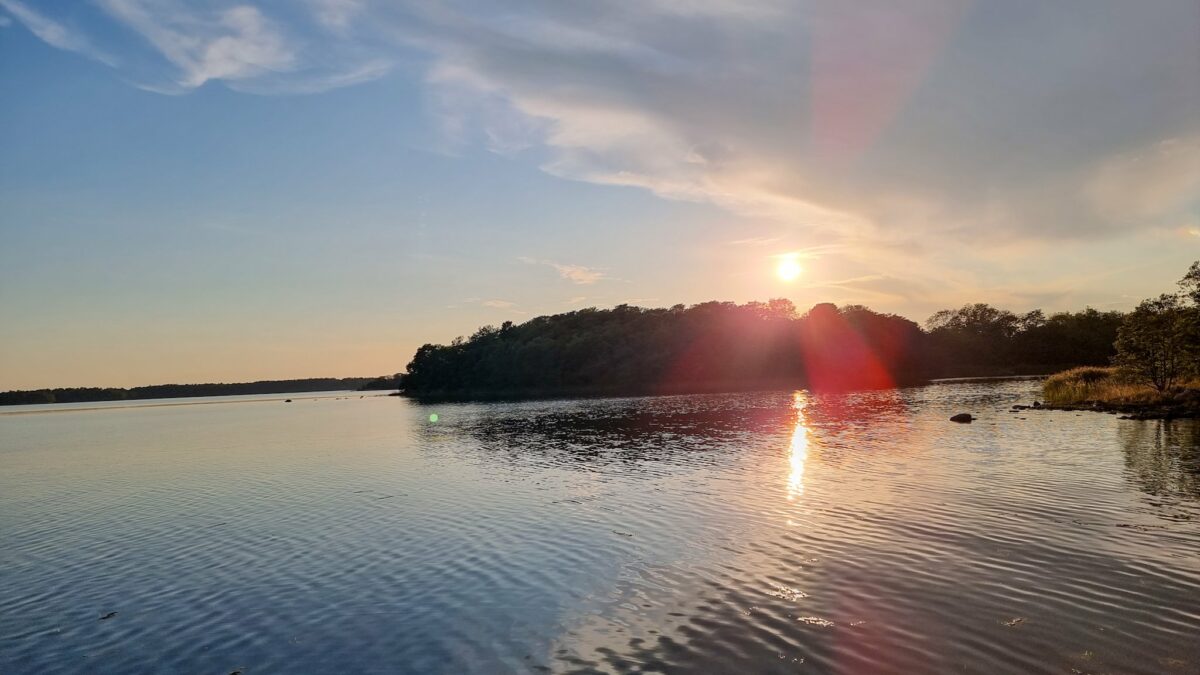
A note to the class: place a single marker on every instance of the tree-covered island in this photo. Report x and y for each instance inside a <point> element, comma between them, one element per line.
<point>721,346</point>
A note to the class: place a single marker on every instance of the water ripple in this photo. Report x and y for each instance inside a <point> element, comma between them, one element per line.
<point>768,532</point>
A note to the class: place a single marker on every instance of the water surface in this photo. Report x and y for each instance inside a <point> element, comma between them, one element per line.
<point>767,532</point>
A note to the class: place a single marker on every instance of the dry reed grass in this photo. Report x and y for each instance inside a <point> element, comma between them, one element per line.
<point>1092,383</point>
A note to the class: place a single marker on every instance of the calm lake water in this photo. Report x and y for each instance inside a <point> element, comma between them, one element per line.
<point>766,532</point>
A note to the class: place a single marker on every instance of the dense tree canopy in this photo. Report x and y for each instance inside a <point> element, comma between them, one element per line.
<point>980,339</point>
<point>382,383</point>
<point>723,345</point>
<point>1159,341</point>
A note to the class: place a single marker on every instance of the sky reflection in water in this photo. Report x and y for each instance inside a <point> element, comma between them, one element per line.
<point>762,532</point>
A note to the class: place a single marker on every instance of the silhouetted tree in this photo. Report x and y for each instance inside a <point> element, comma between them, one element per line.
<point>1156,341</point>
<point>1190,283</point>
<point>723,345</point>
<point>382,383</point>
<point>973,337</point>
<point>712,345</point>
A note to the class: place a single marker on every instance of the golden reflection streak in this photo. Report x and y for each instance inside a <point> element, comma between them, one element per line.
<point>798,451</point>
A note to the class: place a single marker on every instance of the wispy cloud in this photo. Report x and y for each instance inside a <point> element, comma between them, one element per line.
<point>577,274</point>
<point>756,241</point>
<point>809,252</point>
<point>233,44</point>
<point>576,300</point>
<point>5,22</point>
<point>245,46</point>
<point>317,83</point>
<point>498,304</point>
<point>53,32</point>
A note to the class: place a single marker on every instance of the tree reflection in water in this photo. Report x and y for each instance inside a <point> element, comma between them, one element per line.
<point>1163,457</point>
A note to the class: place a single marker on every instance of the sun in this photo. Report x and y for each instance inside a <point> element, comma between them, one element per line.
<point>788,269</point>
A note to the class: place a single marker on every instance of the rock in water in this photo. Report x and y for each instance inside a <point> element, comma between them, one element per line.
<point>964,418</point>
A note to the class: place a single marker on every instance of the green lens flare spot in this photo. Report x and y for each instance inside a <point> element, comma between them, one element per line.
<point>433,417</point>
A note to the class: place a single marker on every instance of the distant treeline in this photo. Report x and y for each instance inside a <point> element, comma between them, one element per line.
<point>723,345</point>
<point>979,339</point>
<point>89,394</point>
<point>383,382</point>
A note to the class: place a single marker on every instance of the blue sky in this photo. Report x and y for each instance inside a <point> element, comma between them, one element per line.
<point>202,191</point>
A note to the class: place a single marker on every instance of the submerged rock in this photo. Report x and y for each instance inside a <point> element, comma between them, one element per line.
<point>964,418</point>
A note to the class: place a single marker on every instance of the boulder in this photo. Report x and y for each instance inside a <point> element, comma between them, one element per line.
<point>964,418</point>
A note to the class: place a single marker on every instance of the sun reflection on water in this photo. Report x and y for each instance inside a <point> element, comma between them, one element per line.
<point>798,450</point>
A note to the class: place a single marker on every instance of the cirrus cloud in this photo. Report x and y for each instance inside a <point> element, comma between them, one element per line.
<point>53,32</point>
<point>876,126</point>
<point>174,46</point>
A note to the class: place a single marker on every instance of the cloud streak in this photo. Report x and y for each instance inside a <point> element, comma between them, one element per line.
<point>882,129</point>
<point>54,33</point>
<point>179,45</point>
<point>576,274</point>
<point>756,241</point>
<point>234,44</point>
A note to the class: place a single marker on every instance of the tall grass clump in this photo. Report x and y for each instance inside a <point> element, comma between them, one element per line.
<point>1093,383</point>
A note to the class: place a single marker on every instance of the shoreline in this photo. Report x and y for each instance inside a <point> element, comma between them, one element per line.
<point>555,393</point>
<point>89,406</point>
<point>1128,411</point>
<point>1119,392</point>
<point>682,390</point>
<point>1189,408</point>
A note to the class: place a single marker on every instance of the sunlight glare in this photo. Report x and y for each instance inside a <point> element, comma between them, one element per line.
<point>798,449</point>
<point>788,269</point>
